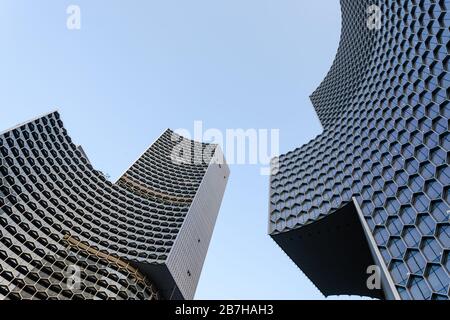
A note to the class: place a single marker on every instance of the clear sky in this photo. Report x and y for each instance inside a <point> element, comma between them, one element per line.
<point>138,67</point>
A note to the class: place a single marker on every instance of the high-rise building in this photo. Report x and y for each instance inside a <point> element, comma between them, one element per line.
<point>369,198</point>
<point>66,232</point>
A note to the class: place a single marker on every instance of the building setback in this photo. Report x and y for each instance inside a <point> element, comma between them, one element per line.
<point>374,188</point>
<point>66,232</point>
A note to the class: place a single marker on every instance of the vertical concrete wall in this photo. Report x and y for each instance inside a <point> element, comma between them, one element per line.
<point>186,259</point>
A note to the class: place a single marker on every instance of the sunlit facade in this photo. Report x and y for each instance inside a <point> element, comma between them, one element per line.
<point>66,232</point>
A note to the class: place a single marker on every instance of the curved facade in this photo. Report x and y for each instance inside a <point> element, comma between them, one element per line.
<point>67,232</point>
<point>383,157</point>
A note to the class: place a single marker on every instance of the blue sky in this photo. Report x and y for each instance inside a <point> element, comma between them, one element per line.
<point>138,67</point>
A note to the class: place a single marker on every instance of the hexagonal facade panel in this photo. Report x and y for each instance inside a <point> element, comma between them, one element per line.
<point>385,111</point>
<point>66,232</point>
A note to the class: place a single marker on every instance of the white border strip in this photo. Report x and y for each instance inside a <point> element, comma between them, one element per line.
<point>390,292</point>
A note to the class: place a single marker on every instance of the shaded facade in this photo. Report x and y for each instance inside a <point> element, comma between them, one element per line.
<point>66,232</point>
<point>374,187</point>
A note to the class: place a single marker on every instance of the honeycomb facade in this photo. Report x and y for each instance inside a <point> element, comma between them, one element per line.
<point>385,111</point>
<point>66,232</point>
